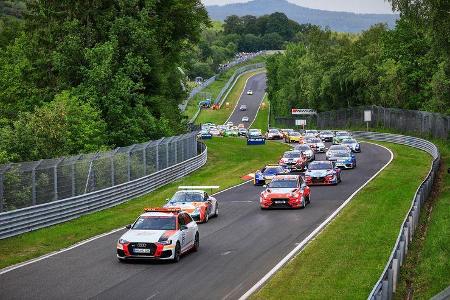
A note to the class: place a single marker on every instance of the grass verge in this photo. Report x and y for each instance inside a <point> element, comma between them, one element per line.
<point>427,268</point>
<point>262,118</point>
<point>215,87</point>
<point>347,258</point>
<point>221,115</point>
<point>231,156</point>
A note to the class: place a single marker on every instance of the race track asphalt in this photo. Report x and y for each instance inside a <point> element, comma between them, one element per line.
<point>236,250</point>
<point>257,84</point>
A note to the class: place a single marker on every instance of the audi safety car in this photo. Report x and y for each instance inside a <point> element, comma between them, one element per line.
<point>196,202</point>
<point>285,191</point>
<point>352,144</point>
<point>267,173</point>
<point>159,233</point>
<point>294,160</point>
<point>322,173</point>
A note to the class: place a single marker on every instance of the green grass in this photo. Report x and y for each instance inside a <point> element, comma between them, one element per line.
<point>262,119</point>
<point>215,87</point>
<point>427,268</point>
<point>231,156</point>
<point>347,258</point>
<point>221,115</point>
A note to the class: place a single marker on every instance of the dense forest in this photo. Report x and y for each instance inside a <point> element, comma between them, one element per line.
<point>76,79</point>
<point>240,34</point>
<point>406,67</point>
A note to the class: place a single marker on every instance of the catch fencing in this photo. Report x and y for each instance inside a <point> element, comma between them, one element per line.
<point>38,182</point>
<point>387,283</point>
<point>402,120</point>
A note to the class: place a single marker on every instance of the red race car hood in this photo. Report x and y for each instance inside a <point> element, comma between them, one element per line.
<point>278,193</point>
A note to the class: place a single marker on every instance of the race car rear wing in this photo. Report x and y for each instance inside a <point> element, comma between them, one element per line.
<point>163,209</point>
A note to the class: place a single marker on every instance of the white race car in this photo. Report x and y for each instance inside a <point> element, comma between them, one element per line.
<point>245,119</point>
<point>159,233</point>
<point>249,92</point>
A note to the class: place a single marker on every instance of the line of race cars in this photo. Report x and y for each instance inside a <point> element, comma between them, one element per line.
<point>166,233</point>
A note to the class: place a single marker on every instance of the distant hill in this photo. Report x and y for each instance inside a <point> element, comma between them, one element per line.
<point>337,21</point>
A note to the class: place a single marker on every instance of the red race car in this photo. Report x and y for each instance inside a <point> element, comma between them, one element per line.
<point>285,191</point>
<point>294,160</point>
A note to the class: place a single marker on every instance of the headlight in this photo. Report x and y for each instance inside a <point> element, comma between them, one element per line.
<point>123,241</point>
<point>167,242</point>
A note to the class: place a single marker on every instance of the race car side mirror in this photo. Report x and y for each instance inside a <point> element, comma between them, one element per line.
<point>303,185</point>
<point>128,226</point>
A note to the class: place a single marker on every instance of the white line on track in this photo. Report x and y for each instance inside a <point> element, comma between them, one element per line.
<point>26,263</point>
<point>313,234</point>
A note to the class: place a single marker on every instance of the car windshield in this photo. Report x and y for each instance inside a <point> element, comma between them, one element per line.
<point>327,132</point>
<point>341,154</point>
<point>315,140</point>
<point>273,131</point>
<point>294,134</point>
<point>302,147</point>
<point>320,165</point>
<point>272,170</point>
<point>342,134</point>
<point>155,223</point>
<point>292,155</point>
<point>187,197</point>
<point>348,141</point>
<point>338,148</point>
<point>283,183</point>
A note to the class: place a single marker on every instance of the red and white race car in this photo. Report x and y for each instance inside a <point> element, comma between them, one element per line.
<point>294,160</point>
<point>285,191</point>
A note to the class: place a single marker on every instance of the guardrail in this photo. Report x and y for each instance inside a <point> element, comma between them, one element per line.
<point>39,216</point>
<point>387,283</point>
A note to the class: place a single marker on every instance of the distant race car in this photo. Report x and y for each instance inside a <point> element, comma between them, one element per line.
<point>214,131</point>
<point>285,132</point>
<point>249,92</point>
<point>243,107</point>
<point>352,144</point>
<point>197,203</point>
<point>267,173</point>
<point>229,124</point>
<point>159,233</point>
<point>316,144</point>
<point>345,160</point>
<point>245,119</point>
<point>242,132</point>
<point>326,136</point>
<point>322,173</point>
<point>231,132</point>
<point>335,149</point>
<point>341,135</point>
<point>305,149</point>
<point>285,191</point>
<point>204,134</point>
<point>294,160</point>
<point>312,133</point>
<point>293,137</point>
<point>274,134</point>
<point>254,133</point>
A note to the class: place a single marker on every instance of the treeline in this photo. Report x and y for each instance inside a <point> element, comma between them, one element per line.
<point>241,34</point>
<point>406,67</point>
<point>77,78</point>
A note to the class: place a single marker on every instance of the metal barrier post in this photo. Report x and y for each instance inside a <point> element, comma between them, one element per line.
<point>1,192</point>
<point>129,162</point>
<point>33,183</point>
<point>113,170</point>
<point>55,179</point>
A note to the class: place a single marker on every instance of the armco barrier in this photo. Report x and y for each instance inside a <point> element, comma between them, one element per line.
<point>387,283</point>
<point>39,216</point>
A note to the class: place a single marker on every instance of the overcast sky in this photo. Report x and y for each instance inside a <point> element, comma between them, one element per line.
<point>358,6</point>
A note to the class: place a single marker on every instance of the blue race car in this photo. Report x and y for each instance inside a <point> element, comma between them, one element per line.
<point>344,160</point>
<point>267,173</point>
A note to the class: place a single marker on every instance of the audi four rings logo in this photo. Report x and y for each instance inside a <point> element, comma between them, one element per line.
<point>141,245</point>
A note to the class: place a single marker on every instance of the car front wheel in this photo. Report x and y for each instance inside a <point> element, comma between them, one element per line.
<point>196,242</point>
<point>177,255</point>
